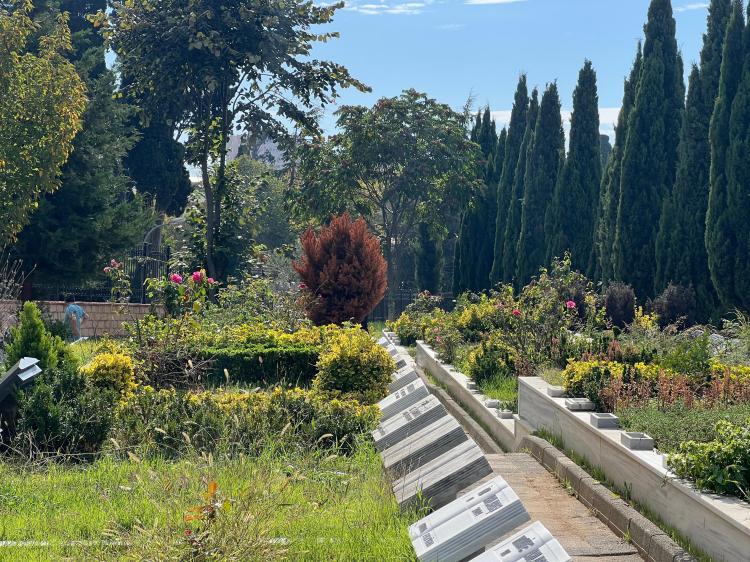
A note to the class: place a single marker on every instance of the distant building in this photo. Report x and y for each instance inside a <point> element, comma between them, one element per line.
<point>266,151</point>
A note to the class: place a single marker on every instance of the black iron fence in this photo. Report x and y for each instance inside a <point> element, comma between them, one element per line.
<point>404,298</point>
<point>143,263</point>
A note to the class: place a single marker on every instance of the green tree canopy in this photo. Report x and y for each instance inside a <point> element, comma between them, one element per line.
<point>650,159</point>
<point>404,161</point>
<point>41,101</point>
<point>516,131</point>
<point>545,154</point>
<point>209,64</point>
<point>571,217</point>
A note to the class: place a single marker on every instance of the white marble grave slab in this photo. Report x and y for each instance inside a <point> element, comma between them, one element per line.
<point>425,445</point>
<point>469,523</point>
<point>402,377</point>
<point>437,482</point>
<point>407,422</point>
<point>532,544</point>
<point>402,399</point>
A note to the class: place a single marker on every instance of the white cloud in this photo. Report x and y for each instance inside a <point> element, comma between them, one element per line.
<point>691,7</point>
<point>406,9</point>
<point>475,2</point>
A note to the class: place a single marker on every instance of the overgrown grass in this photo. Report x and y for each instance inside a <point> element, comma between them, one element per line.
<point>676,424</point>
<point>552,374</point>
<point>84,350</point>
<point>303,509</point>
<point>598,474</point>
<point>376,328</point>
<point>501,388</point>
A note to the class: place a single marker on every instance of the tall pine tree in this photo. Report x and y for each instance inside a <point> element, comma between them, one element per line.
<point>545,155</point>
<point>513,219</point>
<point>471,265</point>
<point>516,130</point>
<point>738,181</point>
<point>721,241</point>
<point>609,194</point>
<point>605,149</point>
<point>649,164</point>
<point>681,256</point>
<point>570,220</point>
<point>429,260</point>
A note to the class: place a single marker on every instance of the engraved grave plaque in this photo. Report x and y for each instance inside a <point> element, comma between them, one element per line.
<point>532,544</point>
<point>402,399</point>
<point>407,422</point>
<point>402,377</point>
<point>425,445</point>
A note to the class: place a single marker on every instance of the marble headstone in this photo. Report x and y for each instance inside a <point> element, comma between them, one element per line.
<point>468,523</point>
<point>402,399</point>
<point>532,544</point>
<point>438,481</point>
<point>425,445</point>
<point>402,377</point>
<point>407,422</point>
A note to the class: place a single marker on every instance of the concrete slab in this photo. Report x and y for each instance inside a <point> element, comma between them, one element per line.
<point>582,535</point>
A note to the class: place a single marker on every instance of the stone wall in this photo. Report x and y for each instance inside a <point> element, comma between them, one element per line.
<point>103,317</point>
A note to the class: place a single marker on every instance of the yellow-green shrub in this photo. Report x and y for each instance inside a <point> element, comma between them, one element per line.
<point>491,359</point>
<point>407,328</point>
<point>479,317</point>
<point>110,370</point>
<point>352,363</point>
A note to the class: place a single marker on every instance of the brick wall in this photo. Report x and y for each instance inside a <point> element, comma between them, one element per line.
<point>103,318</point>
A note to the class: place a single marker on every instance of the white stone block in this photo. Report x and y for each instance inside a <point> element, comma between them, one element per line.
<point>532,544</point>
<point>402,399</point>
<point>605,421</point>
<point>555,391</point>
<point>579,404</point>
<point>402,377</point>
<point>407,422</point>
<point>468,523</point>
<point>637,441</point>
<point>424,446</point>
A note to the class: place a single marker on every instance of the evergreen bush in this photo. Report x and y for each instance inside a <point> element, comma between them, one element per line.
<point>619,303</point>
<point>31,339</point>
<point>351,363</point>
<point>343,272</point>
<point>110,371</point>
<point>492,359</point>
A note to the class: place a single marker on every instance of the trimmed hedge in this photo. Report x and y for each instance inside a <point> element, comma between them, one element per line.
<point>263,364</point>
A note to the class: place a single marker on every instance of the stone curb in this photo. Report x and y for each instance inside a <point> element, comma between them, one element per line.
<point>650,541</point>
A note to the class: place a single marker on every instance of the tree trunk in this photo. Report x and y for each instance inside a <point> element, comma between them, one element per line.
<point>390,293</point>
<point>209,218</point>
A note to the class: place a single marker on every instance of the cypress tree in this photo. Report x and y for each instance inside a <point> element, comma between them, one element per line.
<point>429,260</point>
<point>570,219</point>
<point>650,160</point>
<point>513,220</point>
<point>545,155</point>
<point>488,211</point>
<point>605,149</point>
<point>681,256</point>
<point>516,130</point>
<point>609,198</point>
<point>738,181</point>
<point>721,242</point>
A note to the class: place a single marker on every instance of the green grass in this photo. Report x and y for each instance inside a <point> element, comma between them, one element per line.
<point>85,350</point>
<point>328,508</point>
<point>676,424</point>
<point>501,388</point>
<point>376,328</point>
<point>552,374</point>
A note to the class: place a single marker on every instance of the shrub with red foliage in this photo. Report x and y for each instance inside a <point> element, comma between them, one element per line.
<point>343,272</point>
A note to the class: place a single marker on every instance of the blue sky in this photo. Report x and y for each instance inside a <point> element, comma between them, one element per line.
<point>449,48</point>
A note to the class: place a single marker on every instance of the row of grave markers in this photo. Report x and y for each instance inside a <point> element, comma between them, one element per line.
<point>418,438</point>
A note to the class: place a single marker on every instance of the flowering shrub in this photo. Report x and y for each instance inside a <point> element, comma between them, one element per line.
<point>110,370</point>
<point>181,297</point>
<point>170,422</point>
<point>352,363</point>
<point>406,328</point>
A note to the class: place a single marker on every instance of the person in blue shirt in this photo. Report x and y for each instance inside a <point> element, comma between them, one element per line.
<point>74,316</point>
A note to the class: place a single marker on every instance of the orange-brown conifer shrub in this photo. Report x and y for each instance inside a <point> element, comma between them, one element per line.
<point>343,272</point>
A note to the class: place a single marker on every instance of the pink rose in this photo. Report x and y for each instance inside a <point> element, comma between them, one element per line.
<point>106,270</point>
<point>436,330</point>
<point>113,263</point>
<point>176,278</point>
<point>197,277</point>
<point>210,280</point>
<point>497,306</point>
<point>302,286</point>
<point>570,304</point>
<point>517,313</point>
<point>438,340</point>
